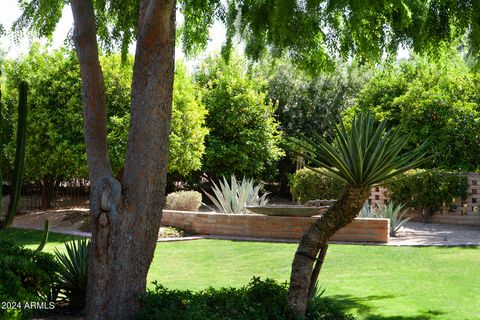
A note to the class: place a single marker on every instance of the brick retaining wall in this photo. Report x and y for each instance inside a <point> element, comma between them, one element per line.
<point>260,226</point>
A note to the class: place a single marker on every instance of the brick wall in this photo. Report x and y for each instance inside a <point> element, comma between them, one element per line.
<point>467,212</point>
<point>260,226</point>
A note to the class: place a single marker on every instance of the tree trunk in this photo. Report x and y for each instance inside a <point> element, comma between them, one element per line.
<point>126,216</point>
<point>316,272</point>
<point>47,192</point>
<point>342,213</point>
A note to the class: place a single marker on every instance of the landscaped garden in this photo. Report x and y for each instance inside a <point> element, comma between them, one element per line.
<point>321,162</point>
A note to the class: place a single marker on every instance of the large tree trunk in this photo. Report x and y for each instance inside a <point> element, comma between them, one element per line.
<point>338,216</point>
<point>126,215</point>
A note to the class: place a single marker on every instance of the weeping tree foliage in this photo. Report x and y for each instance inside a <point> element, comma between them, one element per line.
<point>126,213</point>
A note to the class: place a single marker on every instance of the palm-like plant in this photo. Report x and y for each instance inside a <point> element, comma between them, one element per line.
<point>236,196</point>
<point>361,157</point>
<point>395,213</point>
<point>73,271</point>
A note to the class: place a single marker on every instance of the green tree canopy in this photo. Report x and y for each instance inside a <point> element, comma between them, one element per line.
<point>244,136</point>
<point>431,100</point>
<point>55,144</point>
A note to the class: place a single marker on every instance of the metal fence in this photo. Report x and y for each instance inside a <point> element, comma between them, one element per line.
<point>66,194</point>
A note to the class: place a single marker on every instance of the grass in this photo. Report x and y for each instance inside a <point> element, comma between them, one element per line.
<point>373,282</point>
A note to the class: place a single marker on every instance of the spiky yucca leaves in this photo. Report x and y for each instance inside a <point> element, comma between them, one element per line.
<point>361,157</point>
<point>234,197</point>
<point>73,271</point>
<point>395,213</point>
<point>365,155</point>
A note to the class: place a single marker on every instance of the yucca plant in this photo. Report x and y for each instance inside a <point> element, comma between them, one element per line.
<point>363,156</point>
<point>73,271</point>
<point>234,197</point>
<point>396,215</point>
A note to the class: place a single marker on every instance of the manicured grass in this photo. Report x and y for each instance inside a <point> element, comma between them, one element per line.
<point>373,282</point>
<point>32,238</point>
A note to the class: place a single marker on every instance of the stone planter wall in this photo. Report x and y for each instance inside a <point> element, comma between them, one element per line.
<point>260,226</point>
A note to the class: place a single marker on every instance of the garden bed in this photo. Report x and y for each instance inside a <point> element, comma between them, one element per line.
<point>275,227</point>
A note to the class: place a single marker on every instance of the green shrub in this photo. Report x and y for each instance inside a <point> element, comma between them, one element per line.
<point>259,300</point>
<point>307,184</point>
<point>25,276</point>
<point>428,190</point>
<point>184,201</point>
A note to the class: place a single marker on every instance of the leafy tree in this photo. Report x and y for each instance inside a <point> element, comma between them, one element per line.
<point>432,100</point>
<point>188,129</point>
<point>308,103</point>
<point>126,222</point>
<point>55,147</point>
<point>244,136</point>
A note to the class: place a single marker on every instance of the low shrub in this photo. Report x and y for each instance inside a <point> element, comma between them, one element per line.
<point>307,184</point>
<point>25,276</point>
<point>184,201</point>
<point>259,300</point>
<point>428,190</point>
<point>170,232</point>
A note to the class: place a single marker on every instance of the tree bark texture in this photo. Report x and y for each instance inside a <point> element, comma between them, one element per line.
<point>342,213</point>
<point>126,215</point>
<point>316,271</point>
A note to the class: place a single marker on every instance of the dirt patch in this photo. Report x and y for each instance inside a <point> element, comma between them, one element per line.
<point>66,219</point>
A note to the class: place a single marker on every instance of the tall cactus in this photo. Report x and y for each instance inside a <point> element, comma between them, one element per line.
<point>19,157</point>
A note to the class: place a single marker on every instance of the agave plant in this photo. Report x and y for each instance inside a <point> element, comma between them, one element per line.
<point>361,157</point>
<point>234,197</point>
<point>73,271</point>
<point>395,213</point>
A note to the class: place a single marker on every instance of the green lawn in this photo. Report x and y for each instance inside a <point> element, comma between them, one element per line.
<point>373,282</point>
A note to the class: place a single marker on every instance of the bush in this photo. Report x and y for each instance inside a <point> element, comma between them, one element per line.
<point>244,138</point>
<point>306,184</point>
<point>25,276</point>
<point>184,200</point>
<point>259,300</point>
<point>428,190</point>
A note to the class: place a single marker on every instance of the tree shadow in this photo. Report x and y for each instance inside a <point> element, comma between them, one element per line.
<point>361,305</point>
<point>461,246</point>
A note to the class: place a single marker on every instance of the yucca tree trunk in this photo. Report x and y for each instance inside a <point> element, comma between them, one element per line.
<point>342,213</point>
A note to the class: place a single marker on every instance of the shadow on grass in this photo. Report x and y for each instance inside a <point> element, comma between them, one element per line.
<point>462,246</point>
<point>367,311</point>
<point>27,237</point>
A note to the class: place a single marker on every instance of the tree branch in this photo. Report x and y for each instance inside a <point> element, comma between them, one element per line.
<point>152,86</point>
<point>93,93</point>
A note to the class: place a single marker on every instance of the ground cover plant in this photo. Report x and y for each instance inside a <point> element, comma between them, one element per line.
<point>259,300</point>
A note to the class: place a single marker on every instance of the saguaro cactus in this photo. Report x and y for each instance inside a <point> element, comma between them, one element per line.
<point>16,179</point>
